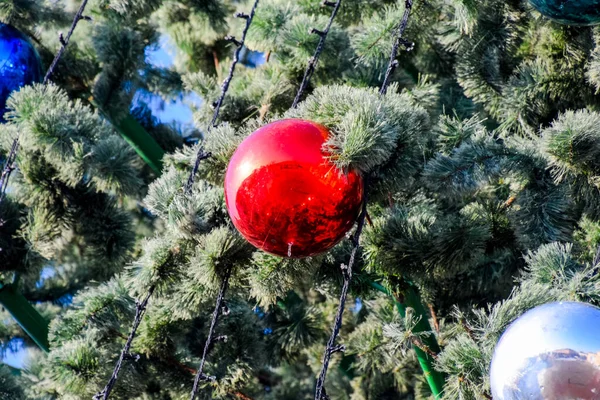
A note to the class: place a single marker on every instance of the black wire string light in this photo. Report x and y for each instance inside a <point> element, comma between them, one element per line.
<point>141,307</point>
<point>332,348</point>
<point>224,88</point>
<point>65,40</point>
<point>219,308</point>
<point>312,63</point>
<point>10,164</point>
<point>140,310</point>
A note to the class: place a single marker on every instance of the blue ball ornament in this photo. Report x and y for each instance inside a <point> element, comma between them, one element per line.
<point>550,352</point>
<point>20,63</point>
<point>570,12</point>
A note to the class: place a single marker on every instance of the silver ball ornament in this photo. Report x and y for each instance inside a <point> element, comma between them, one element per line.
<point>551,352</point>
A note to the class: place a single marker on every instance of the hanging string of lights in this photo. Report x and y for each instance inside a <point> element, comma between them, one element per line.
<point>224,88</point>
<point>142,306</point>
<point>332,348</point>
<point>219,309</point>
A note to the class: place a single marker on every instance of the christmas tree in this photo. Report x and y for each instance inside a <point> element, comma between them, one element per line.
<point>473,125</point>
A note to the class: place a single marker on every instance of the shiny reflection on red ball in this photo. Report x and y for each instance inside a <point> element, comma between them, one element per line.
<point>284,196</point>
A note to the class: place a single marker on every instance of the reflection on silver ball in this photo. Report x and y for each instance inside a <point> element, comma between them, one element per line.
<point>549,353</point>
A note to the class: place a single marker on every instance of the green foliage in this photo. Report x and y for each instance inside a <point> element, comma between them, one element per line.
<point>272,277</point>
<point>188,215</point>
<point>373,43</point>
<point>120,64</point>
<point>159,264</point>
<point>483,193</point>
<point>74,367</point>
<point>571,143</point>
<point>72,139</point>
<point>366,130</point>
<point>21,13</point>
<point>101,308</point>
<point>454,131</point>
<point>72,167</point>
<point>586,238</point>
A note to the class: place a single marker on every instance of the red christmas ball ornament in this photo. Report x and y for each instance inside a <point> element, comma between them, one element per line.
<point>283,194</point>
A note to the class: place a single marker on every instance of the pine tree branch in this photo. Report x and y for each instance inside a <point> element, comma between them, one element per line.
<point>331,348</point>
<point>312,63</point>
<point>188,188</point>
<point>176,363</point>
<point>200,375</point>
<point>139,315</point>
<point>224,88</point>
<point>10,162</point>
<point>215,59</point>
<point>171,360</point>
<point>10,166</point>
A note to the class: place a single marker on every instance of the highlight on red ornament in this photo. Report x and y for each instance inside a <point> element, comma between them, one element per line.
<point>284,195</point>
